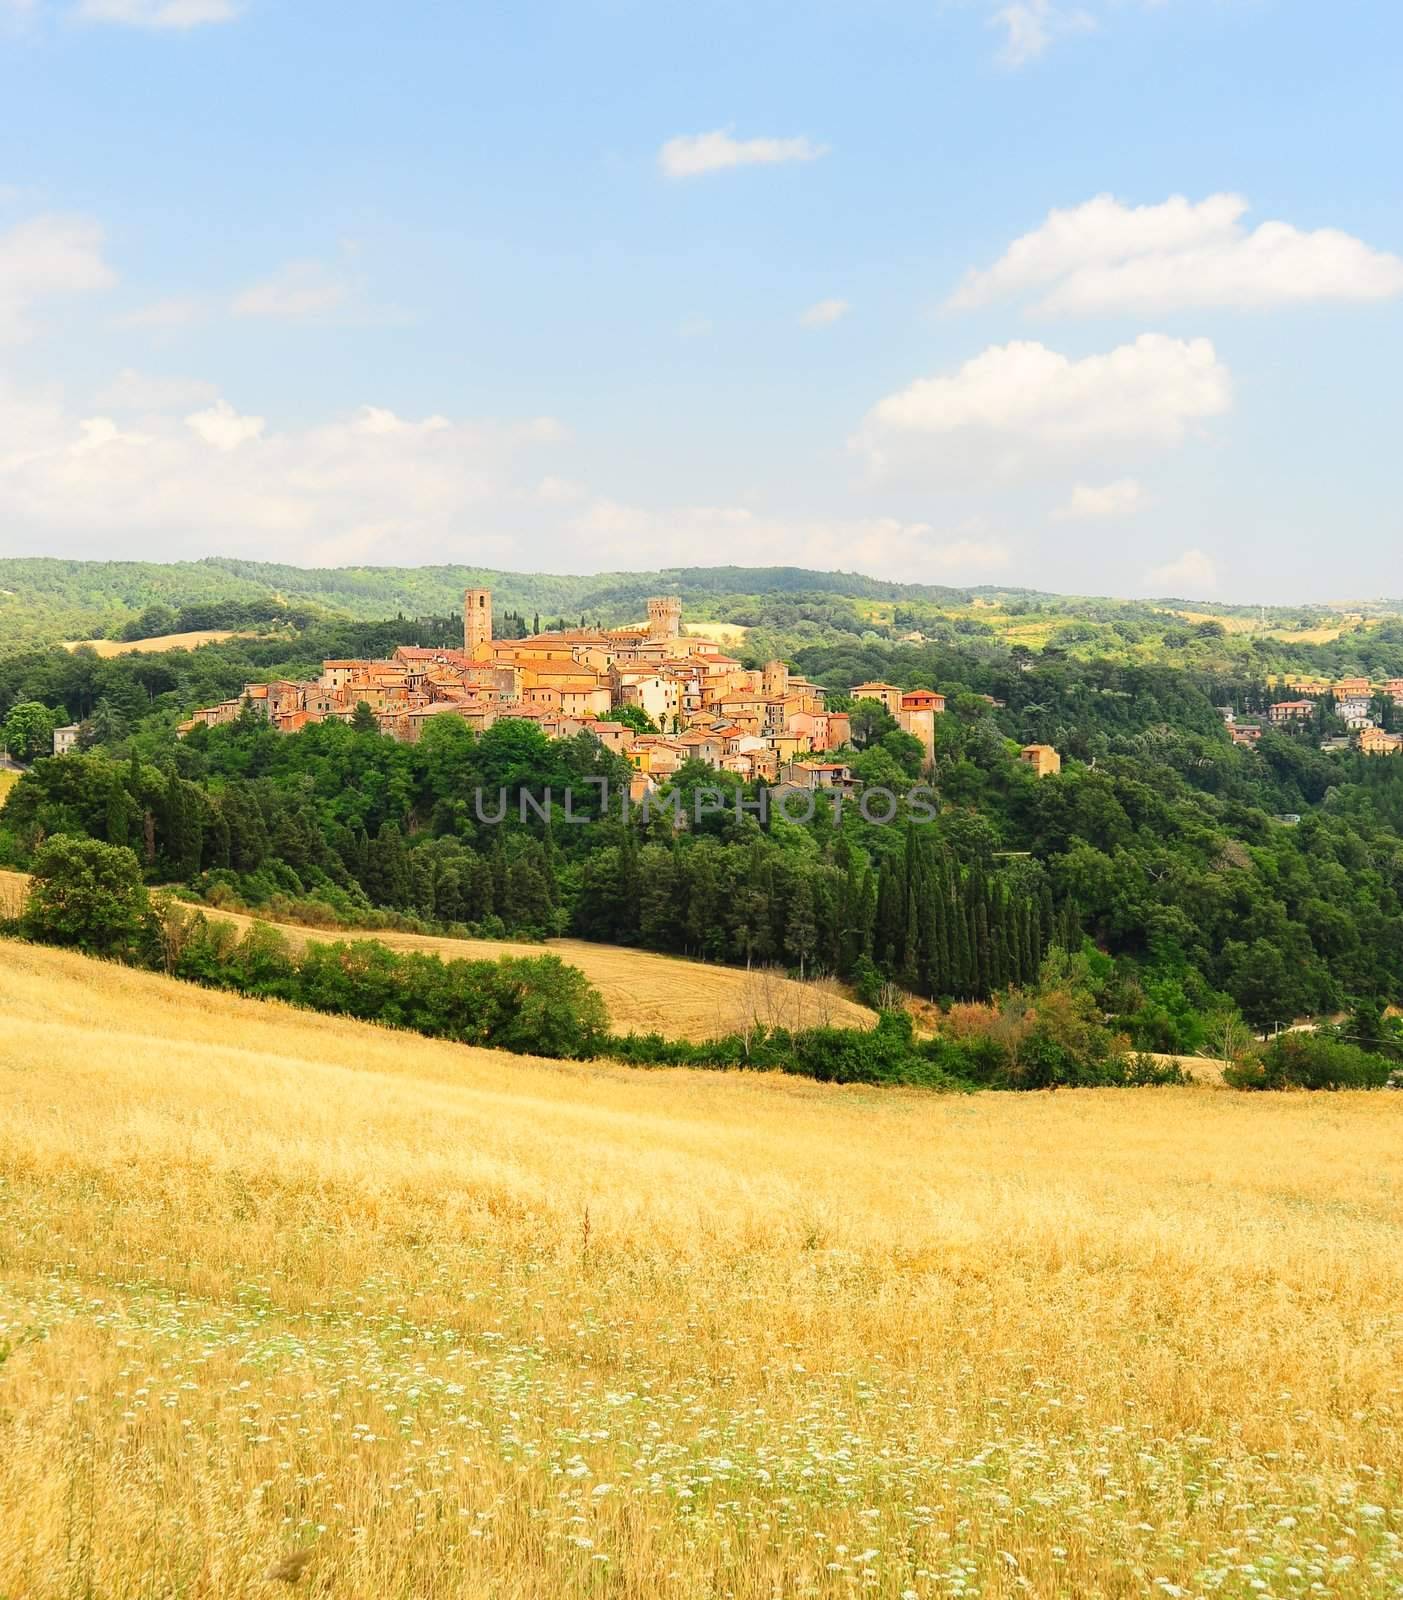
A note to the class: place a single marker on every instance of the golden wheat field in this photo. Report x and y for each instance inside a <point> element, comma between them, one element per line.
<point>286,1297</point>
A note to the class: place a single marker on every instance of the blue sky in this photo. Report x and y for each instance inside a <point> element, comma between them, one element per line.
<point>1102,296</point>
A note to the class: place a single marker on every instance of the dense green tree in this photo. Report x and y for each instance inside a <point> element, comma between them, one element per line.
<point>88,894</point>
<point>29,730</point>
<point>634,717</point>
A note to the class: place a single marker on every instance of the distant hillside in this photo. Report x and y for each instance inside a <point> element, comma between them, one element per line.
<point>43,600</point>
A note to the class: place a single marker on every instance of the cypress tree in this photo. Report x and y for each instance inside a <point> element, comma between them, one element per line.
<point>940,974</point>
<point>983,957</point>
<point>909,970</point>
<point>891,916</point>
<point>1033,944</point>
<point>961,962</point>
<point>926,903</point>
<point>997,903</point>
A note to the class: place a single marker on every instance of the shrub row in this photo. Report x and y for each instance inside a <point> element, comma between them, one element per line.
<point>890,1053</point>
<point>1312,1061</point>
<point>530,1005</point>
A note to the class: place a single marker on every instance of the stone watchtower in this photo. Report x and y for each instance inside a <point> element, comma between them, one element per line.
<point>477,618</point>
<point>776,679</point>
<point>664,618</point>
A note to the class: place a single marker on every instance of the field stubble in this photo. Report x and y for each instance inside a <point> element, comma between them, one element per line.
<point>281,1288</point>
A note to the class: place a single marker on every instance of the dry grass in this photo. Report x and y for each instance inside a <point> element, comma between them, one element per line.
<point>8,779</point>
<point>286,1292</point>
<point>642,991</point>
<point>14,886</point>
<point>153,646</point>
<point>722,632</point>
<point>1326,633</point>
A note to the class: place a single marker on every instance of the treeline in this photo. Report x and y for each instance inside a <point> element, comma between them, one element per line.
<point>43,599</point>
<point>920,919</point>
<point>1087,686</point>
<point>154,621</point>
<point>90,896</point>
<point>259,843</point>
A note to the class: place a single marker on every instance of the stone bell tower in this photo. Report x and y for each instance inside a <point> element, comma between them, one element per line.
<point>477,618</point>
<point>664,618</point>
<point>776,679</point>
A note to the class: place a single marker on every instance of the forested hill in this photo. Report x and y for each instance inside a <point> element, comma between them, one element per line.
<point>43,600</point>
<point>780,612</point>
<point>46,601</point>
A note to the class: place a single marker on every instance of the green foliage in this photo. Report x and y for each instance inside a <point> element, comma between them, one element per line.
<point>89,895</point>
<point>634,717</point>
<point>891,1054</point>
<point>1310,1061</point>
<point>44,600</point>
<point>533,1005</point>
<point>29,730</point>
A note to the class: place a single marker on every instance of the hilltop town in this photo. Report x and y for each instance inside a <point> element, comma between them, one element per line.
<point>661,696</point>
<point>768,724</point>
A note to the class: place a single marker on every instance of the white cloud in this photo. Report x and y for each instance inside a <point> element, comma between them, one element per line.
<point>375,486</point>
<point>223,427</point>
<point>299,291</point>
<point>1192,573</point>
<point>1017,404</point>
<point>825,313</point>
<point>136,392</point>
<point>1031,25</point>
<point>1089,502</point>
<point>560,491</point>
<point>162,14</point>
<point>96,433</point>
<point>45,258</point>
<point>371,484</point>
<point>691,155</point>
<point>174,312</point>
<point>1107,257</point>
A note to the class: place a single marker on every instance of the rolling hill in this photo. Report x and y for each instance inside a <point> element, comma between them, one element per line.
<point>44,600</point>
<point>284,1291</point>
<point>643,992</point>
